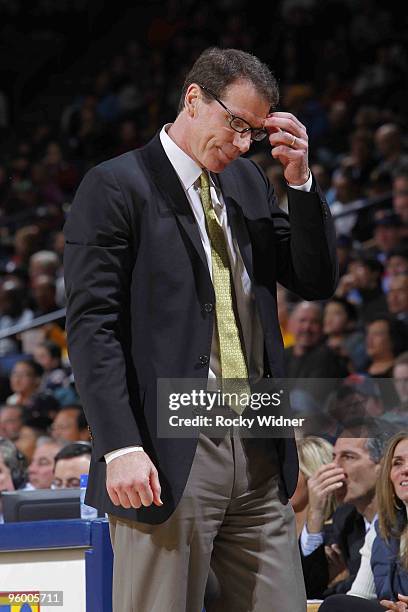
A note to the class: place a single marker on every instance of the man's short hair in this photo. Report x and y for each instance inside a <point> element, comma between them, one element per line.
<point>18,407</point>
<point>76,449</point>
<point>348,307</point>
<point>375,431</point>
<point>217,68</point>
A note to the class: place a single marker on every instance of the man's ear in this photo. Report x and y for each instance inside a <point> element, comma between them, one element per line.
<point>192,98</point>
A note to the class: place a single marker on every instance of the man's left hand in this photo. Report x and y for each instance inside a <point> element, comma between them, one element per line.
<point>289,142</point>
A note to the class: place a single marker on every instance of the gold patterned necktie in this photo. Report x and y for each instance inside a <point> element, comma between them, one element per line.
<point>233,365</point>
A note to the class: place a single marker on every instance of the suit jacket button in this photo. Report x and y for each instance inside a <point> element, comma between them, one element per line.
<point>204,359</point>
<point>208,307</point>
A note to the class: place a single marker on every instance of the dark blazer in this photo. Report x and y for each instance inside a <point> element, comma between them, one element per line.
<point>347,530</point>
<point>138,293</point>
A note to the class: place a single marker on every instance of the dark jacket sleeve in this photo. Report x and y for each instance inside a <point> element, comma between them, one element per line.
<point>98,260</point>
<point>315,572</point>
<point>306,243</point>
<point>347,531</point>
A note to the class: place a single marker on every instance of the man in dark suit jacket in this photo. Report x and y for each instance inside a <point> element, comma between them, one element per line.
<point>144,302</point>
<point>326,551</point>
<point>347,532</point>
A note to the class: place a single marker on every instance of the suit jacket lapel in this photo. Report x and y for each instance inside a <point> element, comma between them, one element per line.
<point>236,218</point>
<point>167,181</point>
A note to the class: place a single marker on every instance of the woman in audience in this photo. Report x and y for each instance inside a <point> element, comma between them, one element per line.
<point>386,338</point>
<point>383,581</point>
<point>25,382</point>
<point>313,453</point>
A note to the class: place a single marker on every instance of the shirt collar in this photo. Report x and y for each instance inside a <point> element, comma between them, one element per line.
<point>186,168</point>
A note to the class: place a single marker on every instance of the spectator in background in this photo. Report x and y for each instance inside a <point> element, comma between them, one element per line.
<point>309,357</point>
<point>348,194</point>
<point>397,263</point>
<point>398,414</point>
<point>25,382</point>
<point>339,327</point>
<point>55,379</point>
<point>49,263</point>
<point>13,469</point>
<point>27,241</point>
<point>397,297</point>
<point>335,142</point>
<point>313,453</point>
<point>361,285</point>
<point>344,246</point>
<point>400,197</point>
<point>387,233</point>
<point>358,397</point>
<point>11,421</point>
<point>13,311</point>
<point>400,375</point>
<point>386,338</point>
<point>70,463</point>
<point>388,143</point>
<point>43,290</point>
<point>322,176</point>
<point>360,161</point>
<point>62,172</point>
<point>31,430</point>
<point>70,425</point>
<point>43,263</point>
<point>41,468</point>
<point>383,574</point>
<point>351,477</point>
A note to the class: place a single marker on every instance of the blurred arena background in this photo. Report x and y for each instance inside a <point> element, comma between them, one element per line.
<point>82,81</point>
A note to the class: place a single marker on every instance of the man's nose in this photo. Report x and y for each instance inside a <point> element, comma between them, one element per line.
<point>242,141</point>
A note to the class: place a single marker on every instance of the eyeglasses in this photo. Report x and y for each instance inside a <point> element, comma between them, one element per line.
<point>237,123</point>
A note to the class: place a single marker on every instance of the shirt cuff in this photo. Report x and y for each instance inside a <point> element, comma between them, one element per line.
<point>309,542</point>
<point>121,451</point>
<point>306,186</point>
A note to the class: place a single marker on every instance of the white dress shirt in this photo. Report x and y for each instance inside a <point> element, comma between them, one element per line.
<point>363,584</point>
<point>189,173</point>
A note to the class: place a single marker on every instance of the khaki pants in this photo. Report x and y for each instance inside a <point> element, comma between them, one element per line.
<point>229,530</point>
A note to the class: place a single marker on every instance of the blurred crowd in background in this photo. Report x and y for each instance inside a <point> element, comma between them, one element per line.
<point>342,67</point>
